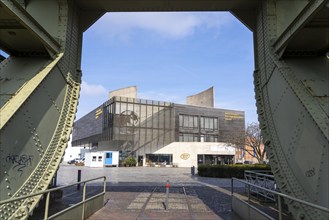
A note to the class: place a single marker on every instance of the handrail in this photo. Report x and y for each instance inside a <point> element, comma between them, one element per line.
<point>279,195</point>
<point>261,178</point>
<point>83,202</point>
<point>258,172</point>
<point>49,190</point>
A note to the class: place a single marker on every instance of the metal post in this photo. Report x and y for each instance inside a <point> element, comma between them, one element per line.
<point>279,207</point>
<point>47,206</point>
<point>192,170</point>
<point>79,179</point>
<point>55,180</point>
<point>248,193</point>
<point>232,193</point>
<point>104,184</point>
<point>167,194</point>
<point>84,200</point>
<point>249,199</point>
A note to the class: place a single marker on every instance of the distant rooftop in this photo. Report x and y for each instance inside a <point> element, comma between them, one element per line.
<point>202,99</point>
<point>129,92</point>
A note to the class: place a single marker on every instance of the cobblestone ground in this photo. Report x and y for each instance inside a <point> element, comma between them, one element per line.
<point>140,193</point>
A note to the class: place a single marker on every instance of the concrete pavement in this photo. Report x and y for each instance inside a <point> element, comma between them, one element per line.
<point>139,193</point>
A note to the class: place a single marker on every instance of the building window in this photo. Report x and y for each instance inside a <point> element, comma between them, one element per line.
<point>100,158</point>
<point>190,122</point>
<point>209,123</point>
<point>94,159</point>
<point>211,138</point>
<point>188,137</point>
<point>158,159</point>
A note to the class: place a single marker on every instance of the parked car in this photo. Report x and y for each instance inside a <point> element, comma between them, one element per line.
<point>81,160</point>
<point>76,160</point>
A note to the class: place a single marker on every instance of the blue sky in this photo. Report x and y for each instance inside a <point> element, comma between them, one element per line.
<point>169,56</point>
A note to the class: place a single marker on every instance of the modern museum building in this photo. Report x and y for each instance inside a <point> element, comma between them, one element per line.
<point>158,133</point>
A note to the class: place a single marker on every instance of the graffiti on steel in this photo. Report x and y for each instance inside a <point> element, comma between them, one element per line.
<point>20,161</point>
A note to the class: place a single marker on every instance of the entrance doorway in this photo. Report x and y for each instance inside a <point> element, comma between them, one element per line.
<point>108,158</point>
<point>140,161</point>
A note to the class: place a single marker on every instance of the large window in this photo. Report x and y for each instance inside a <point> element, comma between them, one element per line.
<point>159,159</point>
<point>211,138</point>
<point>188,137</point>
<point>189,122</point>
<point>215,159</point>
<point>209,123</point>
<point>208,138</point>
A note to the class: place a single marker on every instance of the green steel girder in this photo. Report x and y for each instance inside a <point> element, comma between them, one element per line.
<point>302,18</point>
<point>27,22</point>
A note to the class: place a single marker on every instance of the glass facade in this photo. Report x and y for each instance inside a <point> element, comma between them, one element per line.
<point>136,125</point>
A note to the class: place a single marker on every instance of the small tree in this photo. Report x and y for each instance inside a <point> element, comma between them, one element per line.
<point>251,142</point>
<point>130,161</point>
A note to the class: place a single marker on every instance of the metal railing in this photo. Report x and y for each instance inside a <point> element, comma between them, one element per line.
<point>279,198</point>
<point>264,179</point>
<point>83,202</point>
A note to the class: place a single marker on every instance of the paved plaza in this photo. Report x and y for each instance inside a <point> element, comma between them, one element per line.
<point>140,193</point>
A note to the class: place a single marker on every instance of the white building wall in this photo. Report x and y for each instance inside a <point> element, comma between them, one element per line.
<point>115,158</point>
<point>100,163</point>
<point>88,159</point>
<point>185,154</point>
<point>72,153</point>
<point>91,161</point>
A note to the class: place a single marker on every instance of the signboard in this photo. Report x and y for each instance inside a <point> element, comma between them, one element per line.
<point>98,112</point>
<point>185,156</point>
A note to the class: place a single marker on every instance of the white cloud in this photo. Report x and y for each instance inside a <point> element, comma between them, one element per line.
<point>171,25</point>
<point>91,96</point>
<point>92,90</point>
<point>158,96</point>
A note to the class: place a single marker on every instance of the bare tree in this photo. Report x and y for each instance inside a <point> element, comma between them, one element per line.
<point>251,142</point>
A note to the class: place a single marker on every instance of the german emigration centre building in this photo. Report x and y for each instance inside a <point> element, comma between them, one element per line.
<point>158,133</point>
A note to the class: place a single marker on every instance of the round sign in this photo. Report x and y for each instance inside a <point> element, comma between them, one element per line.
<point>185,156</point>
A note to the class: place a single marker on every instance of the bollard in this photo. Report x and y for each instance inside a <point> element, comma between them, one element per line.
<point>54,180</point>
<point>79,179</point>
<point>167,194</point>
<point>192,170</point>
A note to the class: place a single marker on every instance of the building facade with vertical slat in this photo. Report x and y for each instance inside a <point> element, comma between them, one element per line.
<point>160,133</point>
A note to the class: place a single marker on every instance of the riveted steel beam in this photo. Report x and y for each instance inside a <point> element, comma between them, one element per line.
<point>22,2</point>
<point>301,20</point>
<point>8,110</point>
<point>26,20</point>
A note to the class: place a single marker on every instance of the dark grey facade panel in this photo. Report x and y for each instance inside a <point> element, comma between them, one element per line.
<point>90,140</point>
<point>230,122</point>
<point>89,125</point>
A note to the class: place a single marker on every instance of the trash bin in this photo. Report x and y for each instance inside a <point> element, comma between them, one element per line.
<point>192,170</point>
